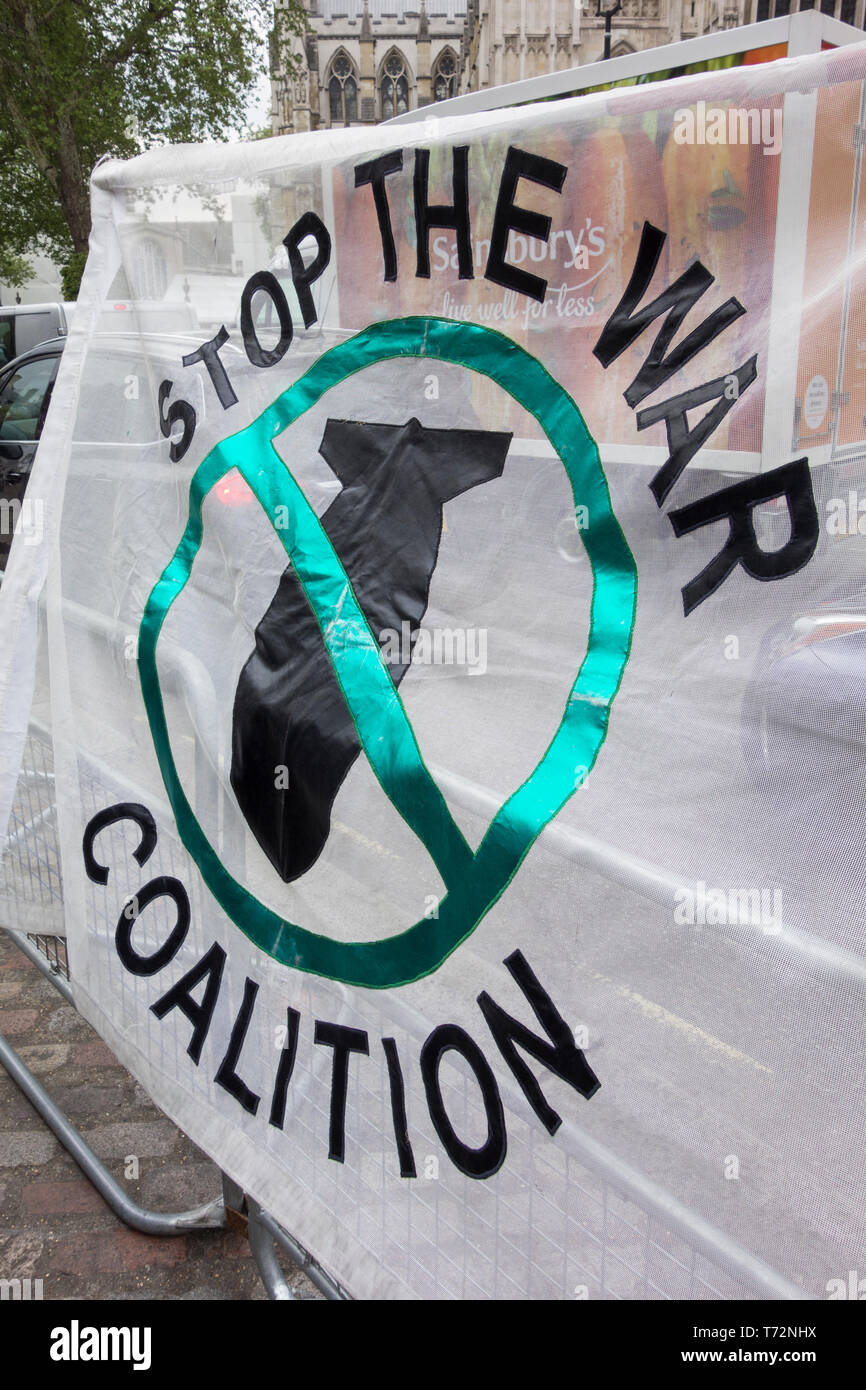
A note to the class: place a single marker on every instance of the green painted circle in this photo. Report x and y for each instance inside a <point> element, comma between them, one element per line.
<point>474,881</point>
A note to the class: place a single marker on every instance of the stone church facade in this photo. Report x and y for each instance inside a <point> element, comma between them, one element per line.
<point>362,61</point>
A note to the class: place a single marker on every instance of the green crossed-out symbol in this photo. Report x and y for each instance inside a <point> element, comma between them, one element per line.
<point>473,881</point>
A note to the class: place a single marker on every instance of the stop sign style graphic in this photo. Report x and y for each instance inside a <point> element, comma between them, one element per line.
<point>362,710</point>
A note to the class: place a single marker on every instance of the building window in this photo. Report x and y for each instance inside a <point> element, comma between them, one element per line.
<point>149,274</point>
<point>445,76</point>
<point>394,86</point>
<point>342,91</point>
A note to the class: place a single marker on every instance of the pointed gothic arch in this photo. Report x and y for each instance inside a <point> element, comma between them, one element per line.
<point>395,80</point>
<point>443,79</point>
<point>341,85</point>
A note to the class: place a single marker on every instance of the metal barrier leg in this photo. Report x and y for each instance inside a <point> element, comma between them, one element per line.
<point>210,1216</point>
<point>265,1257</point>
<point>264,1234</point>
<point>51,969</point>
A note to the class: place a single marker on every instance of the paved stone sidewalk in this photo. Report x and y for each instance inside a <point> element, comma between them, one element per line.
<point>53,1225</point>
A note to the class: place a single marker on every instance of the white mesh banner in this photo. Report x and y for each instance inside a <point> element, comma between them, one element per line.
<point>451,680</point>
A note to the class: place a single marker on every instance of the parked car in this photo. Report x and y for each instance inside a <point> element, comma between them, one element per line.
<point>804,704</point>
<point>26,385</point>
<point>25,326</point>
<point>132,363</point>
<point>25,392</point>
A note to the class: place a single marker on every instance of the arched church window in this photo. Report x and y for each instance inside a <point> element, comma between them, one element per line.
<point>445,76</point>
<point>394,86</point>
<point>342,91</point>
<point>149,273</point>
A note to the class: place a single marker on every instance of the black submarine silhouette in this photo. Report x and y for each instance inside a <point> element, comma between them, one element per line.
<point>385,525</point>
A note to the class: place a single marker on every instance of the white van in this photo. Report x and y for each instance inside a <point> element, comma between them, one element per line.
<point>24,326</point>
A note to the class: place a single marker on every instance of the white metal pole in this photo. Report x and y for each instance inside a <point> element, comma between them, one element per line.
<point>789,259</point>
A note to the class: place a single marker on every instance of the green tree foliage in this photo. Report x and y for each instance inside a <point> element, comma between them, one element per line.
<point>85,78</point>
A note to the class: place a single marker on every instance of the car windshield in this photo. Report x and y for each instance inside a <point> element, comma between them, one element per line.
<point>24,398</point>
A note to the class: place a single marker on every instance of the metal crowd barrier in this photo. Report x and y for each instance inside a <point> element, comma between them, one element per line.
<point>30,871</point>
<point>207,1217</point>
<point>233,1208</point>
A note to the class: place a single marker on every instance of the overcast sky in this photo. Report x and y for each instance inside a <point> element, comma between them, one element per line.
<point>259,105</point>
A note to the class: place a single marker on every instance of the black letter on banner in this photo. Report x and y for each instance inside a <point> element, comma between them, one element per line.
<point>734,504</point>
<point>455,215</point>
<point>161,887</point>
<point>562,1056</point>
<point>123,810</point>
<point>375,171</point>
<point>285,1069</point>
<point>227,1076</point>
<point>475,1163</point>
<point>682,441</point>
<point>179,410</point>
<point>343,1041</point>
<point>270,285</point>
<point>209,354</point>
<point>398,1109</point>
<point>180,997</point>
<point>627,322</point>
<point>521,165</point>
<point>302,279</point>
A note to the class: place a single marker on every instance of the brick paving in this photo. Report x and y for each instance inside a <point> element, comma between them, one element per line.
<point>53,1225</point>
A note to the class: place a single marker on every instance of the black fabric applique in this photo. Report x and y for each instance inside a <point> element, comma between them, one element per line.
<point>289,712</point>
